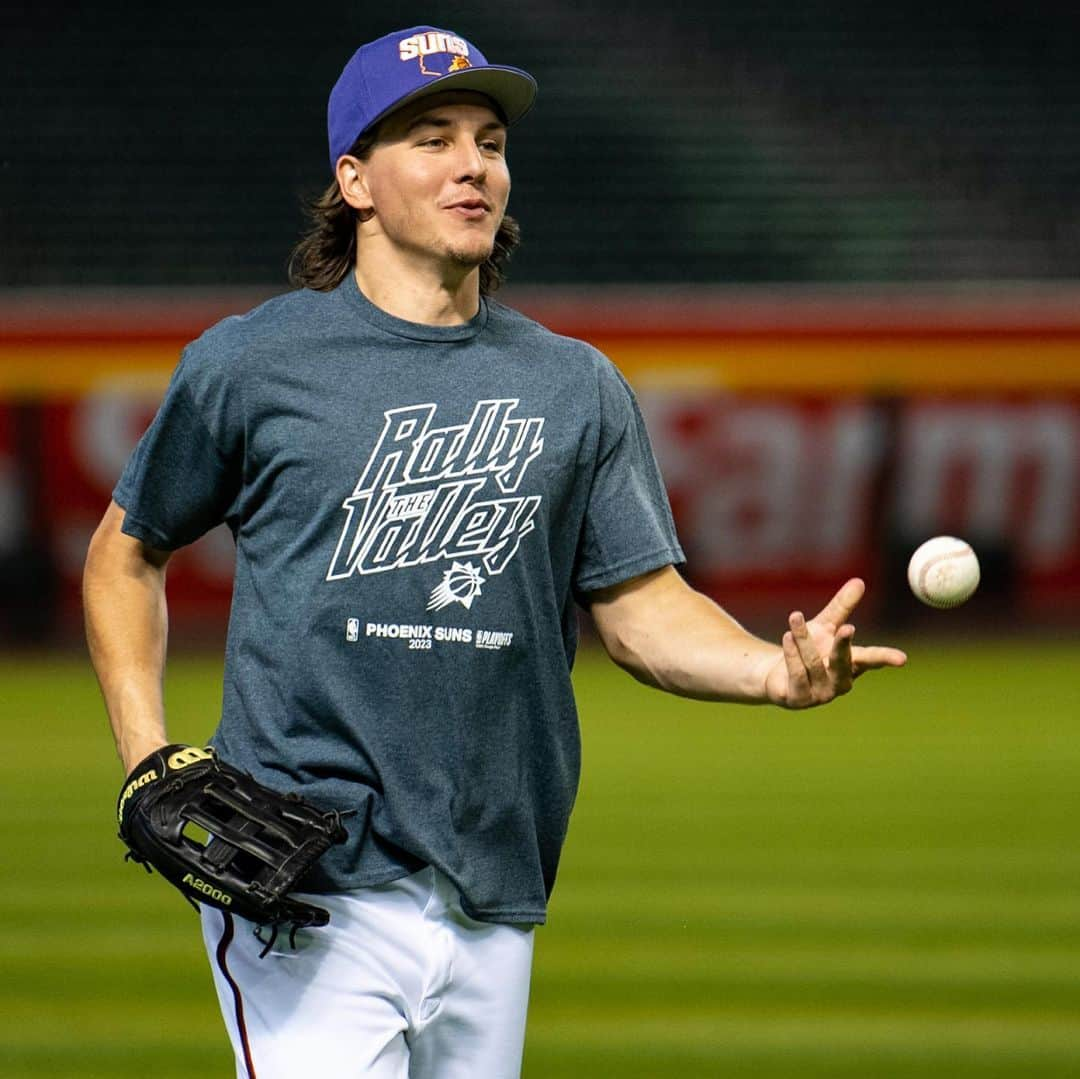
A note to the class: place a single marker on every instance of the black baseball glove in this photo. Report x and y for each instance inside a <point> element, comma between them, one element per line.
<point>260,842</point>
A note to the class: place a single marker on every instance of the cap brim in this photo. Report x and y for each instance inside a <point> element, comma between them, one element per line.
<point>513,90</point>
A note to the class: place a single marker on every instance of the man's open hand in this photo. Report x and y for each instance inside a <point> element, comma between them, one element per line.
<point>819,660</point>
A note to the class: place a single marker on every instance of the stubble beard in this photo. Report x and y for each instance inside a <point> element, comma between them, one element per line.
<point>468,258</point>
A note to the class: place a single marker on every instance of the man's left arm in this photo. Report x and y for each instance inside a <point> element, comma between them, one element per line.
<point>670,636</point>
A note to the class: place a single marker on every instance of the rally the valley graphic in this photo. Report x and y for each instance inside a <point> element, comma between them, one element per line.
<point>432,494</point>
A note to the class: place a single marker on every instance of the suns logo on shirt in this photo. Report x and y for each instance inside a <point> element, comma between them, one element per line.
<point>443,494</point>
<point>461,583</point>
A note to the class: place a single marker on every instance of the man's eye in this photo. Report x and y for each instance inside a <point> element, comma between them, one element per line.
<point>493,147</point>
<point>434,141</point>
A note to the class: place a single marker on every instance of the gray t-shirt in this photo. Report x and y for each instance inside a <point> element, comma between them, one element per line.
<point>415,509</point>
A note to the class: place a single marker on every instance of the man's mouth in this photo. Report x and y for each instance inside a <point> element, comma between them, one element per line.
<point>470,209</point>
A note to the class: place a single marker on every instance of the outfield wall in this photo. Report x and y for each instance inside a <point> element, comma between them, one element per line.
<point>804,436</point>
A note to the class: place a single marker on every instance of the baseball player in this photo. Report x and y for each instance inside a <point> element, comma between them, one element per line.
<point>421,484</point>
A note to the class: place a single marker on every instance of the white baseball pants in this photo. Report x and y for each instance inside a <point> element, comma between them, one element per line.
<point>400,985</point>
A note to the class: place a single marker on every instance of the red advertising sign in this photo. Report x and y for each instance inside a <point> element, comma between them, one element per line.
<point>801,442</point>
<point>780,498</point>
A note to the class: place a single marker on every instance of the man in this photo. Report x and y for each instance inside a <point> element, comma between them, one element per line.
<point>421,483</point>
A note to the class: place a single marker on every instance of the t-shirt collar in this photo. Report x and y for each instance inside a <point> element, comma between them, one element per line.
<point>399,327</point>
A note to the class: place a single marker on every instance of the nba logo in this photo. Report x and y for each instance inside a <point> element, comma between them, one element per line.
<point>352,629</point>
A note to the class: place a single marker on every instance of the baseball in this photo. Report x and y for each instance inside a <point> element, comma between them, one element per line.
<point>944,572</point>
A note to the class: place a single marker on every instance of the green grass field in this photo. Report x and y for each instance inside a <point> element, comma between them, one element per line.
<point>887,887</point>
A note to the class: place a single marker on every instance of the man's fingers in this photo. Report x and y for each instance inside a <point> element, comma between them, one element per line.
<point>798,693</point>
<point>808,653</point>
<point>812,679</point>
<point>839,609</point>
<point>874,657</point>
<point>840,661</point>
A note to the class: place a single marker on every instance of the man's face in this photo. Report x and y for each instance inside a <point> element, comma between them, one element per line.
<point>437,178</point>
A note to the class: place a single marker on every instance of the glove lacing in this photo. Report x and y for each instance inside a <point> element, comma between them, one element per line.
<point>274,930</point>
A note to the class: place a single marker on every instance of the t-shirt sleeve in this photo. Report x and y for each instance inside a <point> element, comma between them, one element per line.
<point>628,528</point>
<point>185,475</point>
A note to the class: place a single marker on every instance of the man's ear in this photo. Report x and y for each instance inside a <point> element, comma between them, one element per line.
<point>351,175</point>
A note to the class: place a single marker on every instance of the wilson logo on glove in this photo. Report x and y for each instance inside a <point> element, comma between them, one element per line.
<point>130,789</point>
<point>261,842</point>
<point>191,755</point>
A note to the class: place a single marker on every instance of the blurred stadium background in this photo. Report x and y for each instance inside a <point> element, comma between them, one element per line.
<point>836,249</point>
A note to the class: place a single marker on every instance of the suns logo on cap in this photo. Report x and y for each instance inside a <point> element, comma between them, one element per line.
<point>435,43</point>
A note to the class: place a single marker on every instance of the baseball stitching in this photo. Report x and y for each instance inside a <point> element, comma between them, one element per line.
<point>961,552</point>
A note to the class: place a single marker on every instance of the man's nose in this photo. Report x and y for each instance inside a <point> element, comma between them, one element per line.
<point>471,164</point>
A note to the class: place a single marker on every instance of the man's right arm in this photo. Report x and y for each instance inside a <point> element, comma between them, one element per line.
<point>126,630</point>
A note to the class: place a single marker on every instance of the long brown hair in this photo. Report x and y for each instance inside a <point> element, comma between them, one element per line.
<point>327,250</point>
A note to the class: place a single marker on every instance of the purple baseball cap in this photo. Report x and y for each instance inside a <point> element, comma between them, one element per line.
<point>408,64</point>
